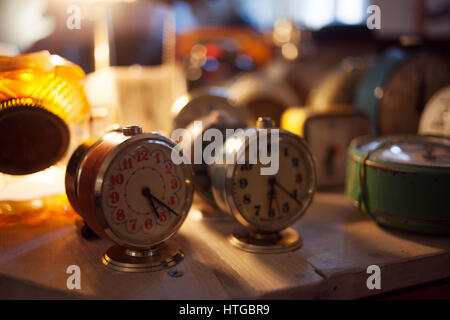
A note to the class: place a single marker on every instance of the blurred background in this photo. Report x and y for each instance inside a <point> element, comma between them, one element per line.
<point>136,27</point>
<point>287,59</point>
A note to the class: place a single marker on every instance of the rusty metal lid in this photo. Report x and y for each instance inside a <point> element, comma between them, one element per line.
<point>31,139</point>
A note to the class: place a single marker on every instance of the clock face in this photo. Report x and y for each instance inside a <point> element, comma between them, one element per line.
<point>145,196</point>
<point>329,137</point>
<point>274,202</point>
<point>407,91</point>
<point>201,106</point>
<point>422,151</point>
<point>435,118</point>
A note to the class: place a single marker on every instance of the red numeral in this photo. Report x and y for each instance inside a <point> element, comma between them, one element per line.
<point>142,155</point>
<point>169,168</point>
<point>114,197</point>
<point>120,215</point>
<point>132,223</point>
<point>174,183</point>
<point>171,200</point>
<point>157,157</point>
<point>127,163</point>
<point>148,224</point>
<point>162,217</point>
<point>117,179</point>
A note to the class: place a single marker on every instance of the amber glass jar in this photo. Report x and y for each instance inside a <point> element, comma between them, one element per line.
<point>44,114</point>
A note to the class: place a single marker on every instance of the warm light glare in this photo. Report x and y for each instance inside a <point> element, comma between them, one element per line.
<point>289,51</point>
<point>179,104</point>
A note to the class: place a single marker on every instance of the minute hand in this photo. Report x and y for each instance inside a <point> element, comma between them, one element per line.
<point>287,192</point>
<point>164,205</point>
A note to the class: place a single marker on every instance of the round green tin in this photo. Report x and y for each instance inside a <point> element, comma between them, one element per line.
<point>402,181</point>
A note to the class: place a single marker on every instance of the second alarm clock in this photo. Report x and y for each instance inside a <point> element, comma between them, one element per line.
<point>265,205</point>
<point>129,191</point>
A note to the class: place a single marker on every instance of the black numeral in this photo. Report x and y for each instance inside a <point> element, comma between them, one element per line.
<point>257,208</point>
<point>247,198</point>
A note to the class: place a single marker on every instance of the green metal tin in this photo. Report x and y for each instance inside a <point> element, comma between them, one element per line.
<point>408,195</point>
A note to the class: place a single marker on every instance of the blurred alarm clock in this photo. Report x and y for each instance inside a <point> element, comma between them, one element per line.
<point>262,97</point>
<point>265,205</point>
<point>198,112</point>
<point>395,90</point>
<point>402,181</point>
<point>328,135</point>
<point>340,85</point>
<point>129,191</point>
<point>200,103</point>
<point>435,118</point>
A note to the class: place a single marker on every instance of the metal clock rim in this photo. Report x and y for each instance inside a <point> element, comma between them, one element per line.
<point>99,186</point>
<point>355,155</point>
<point>230,169</point>
<point>215,91</point>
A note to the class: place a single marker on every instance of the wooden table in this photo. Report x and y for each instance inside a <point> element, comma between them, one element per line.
<point>339,245</point>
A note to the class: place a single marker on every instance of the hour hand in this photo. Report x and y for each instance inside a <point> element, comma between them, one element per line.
<point>146,193</point>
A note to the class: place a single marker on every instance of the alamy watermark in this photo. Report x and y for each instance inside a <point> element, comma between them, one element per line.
<point>229,149</point>
<point>374,19</point>
<point>74,19</point>
<point>74,280</point>
<point>374,280</point>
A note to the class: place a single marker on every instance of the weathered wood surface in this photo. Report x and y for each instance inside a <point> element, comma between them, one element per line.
<point>339,245</point>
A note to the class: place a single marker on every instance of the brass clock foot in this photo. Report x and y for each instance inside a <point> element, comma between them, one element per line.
<point>250,241</point>
<point>125,260</point>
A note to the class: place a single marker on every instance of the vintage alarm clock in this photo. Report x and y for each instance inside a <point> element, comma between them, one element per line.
<point>266,205</point>
<point>213,109</point>
<point>262,97</point>
<point>328,135</point>
<point>200,103</point>
<point>435,118</point>
<point>395,90</point>
<point>402,181</point>
<point>340,85</point>
<point>129,191</point>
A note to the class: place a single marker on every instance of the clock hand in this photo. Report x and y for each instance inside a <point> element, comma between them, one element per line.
<point>164,205</point>
<point>290,195</point>
<point>146,193</point>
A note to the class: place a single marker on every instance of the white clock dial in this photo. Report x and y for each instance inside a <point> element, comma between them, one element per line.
<point>272,203</point>
<point>202,103</point>
<point>329,137</point>
<point>141,193</point>
<point>435,119</point>
<point>423,151</point>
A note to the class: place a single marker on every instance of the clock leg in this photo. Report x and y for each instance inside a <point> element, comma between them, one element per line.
<point>278,242</point>
<point>122,259</point>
